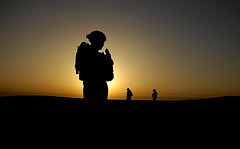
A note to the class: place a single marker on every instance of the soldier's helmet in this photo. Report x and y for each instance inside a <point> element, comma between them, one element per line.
<point>96,36</point>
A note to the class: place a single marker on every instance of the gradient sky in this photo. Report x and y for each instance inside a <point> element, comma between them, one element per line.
<point>182,48</point>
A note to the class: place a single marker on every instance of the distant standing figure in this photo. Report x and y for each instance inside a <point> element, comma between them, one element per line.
<point>154,95</point>
<point>94,68</point>
<point>129,94</point>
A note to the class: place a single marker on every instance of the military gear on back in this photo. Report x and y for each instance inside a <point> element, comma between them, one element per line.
<point>93,66</point>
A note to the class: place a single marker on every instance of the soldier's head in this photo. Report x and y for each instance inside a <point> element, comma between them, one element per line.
<point>97,39</point>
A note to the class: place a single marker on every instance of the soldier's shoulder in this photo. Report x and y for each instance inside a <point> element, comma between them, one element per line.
<point>83,45</point>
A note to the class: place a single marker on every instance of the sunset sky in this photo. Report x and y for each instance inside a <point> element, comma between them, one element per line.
<point>182,48</point>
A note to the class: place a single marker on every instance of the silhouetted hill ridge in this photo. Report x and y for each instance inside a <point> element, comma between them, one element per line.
<point>56,99</point>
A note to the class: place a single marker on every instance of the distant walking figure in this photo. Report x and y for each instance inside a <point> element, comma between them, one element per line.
<point>129,94</point>
<point>94,68</point>
<point>154,95</point>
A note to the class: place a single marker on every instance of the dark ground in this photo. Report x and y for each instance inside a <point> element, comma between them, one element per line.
<point>66,122</point>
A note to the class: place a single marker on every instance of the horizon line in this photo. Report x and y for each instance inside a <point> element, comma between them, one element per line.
<point>148,99</point>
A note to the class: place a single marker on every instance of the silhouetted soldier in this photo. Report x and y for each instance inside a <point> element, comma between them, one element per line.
<point>129,94</point>
<point>94,68</point>
<point>154,95</point>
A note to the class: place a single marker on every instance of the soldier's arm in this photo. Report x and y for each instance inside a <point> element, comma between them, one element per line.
<point>109,58</point>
